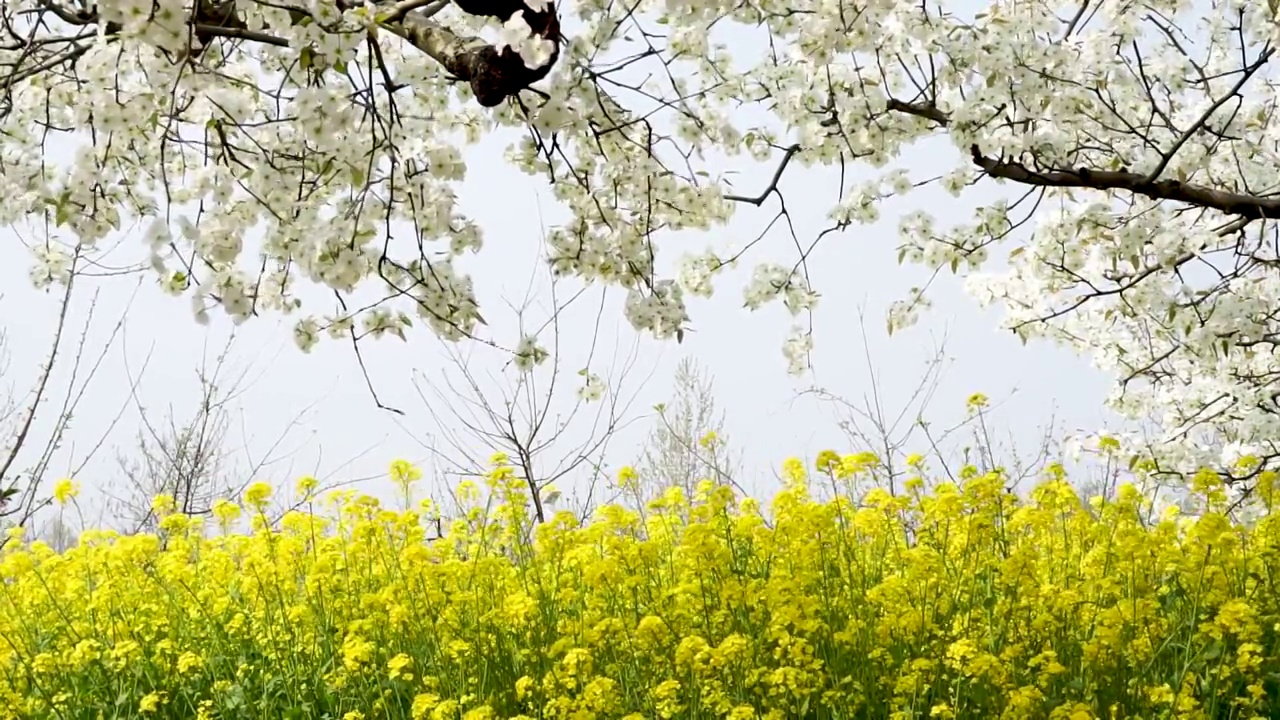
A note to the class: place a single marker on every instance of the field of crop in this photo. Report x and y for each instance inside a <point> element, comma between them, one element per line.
<point>830,602</point>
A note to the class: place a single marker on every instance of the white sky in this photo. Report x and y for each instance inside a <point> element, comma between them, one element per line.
<point>342,434</point>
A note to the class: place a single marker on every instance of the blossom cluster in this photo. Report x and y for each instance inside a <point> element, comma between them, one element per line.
<point>951,600</point>
<point>317,145</point>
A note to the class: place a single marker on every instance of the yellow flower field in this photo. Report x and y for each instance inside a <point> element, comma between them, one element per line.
<point>962,602</point>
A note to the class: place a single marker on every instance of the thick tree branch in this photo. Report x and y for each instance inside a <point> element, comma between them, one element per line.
<point>1245,206</point>
<point>924,110</point>
<point>1251,207</point>
<point>493,73</point>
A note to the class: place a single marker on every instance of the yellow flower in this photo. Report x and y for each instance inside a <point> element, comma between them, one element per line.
<point>793,471</point>
<point>226,512</point>
<point>175,524</point>
<point>257,495</point>
<point>856,464</point>
<point>65,490</point>
<point>628,478</point>
<point>356,652</point>
<point>976,401</point>
<point>397,665</point>
<point>708,440</point>
<point>468,492</point>
<point>163,505</point>
<point>827,461</point>
<point>149,703</point>
<point>404,473</point>
<point>188,662</point>
<point>423,705</point>
<point>572,605</point>
<point>307,486</point>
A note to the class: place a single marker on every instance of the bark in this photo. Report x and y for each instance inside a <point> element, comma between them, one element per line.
<point>1241,205</point>
<point>493,74</point>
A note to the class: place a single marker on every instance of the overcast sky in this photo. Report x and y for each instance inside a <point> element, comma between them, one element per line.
<point>332,427</point>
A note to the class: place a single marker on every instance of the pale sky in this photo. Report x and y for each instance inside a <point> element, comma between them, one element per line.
<point>342,434</point>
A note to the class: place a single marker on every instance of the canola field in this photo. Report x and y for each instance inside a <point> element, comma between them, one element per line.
<point>949,600</point>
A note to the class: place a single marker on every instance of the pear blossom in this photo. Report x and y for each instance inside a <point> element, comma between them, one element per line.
<point>1112,170</point>
<point>593,386</point>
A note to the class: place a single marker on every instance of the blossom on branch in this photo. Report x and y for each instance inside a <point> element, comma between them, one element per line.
<point>1117,162</point>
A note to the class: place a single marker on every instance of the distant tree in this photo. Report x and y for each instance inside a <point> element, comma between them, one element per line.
<point>895,431</point>
<point>34,423</point>
<point>190,458</point>
<point>57,533</point>
<point>555,422</point>
<point>687,443</point>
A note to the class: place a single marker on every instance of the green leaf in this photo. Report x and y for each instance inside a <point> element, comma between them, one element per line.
<point>62,209</point>
<point>1213,652</point>
<point>307,58</point>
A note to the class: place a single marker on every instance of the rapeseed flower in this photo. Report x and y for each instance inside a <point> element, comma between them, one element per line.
<point>832,600</point>
<point>64,490</point>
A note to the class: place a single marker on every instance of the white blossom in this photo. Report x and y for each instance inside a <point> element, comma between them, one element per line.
<point>529,354</point>
<point>796,350</point>
<point>593,387</point>
<point>1013,144</point>
<point>534,49</point>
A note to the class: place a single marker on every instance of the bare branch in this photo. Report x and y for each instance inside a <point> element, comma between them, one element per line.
<point>773,184</point>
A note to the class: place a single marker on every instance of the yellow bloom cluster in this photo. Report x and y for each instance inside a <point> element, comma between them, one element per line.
<point>962,602</point>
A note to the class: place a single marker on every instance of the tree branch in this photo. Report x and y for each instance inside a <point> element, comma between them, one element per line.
<point>493,73</point>
<point>773,184</point>
<point>1251,207</point>
<point>206,30</point>
<point>1242,205</point>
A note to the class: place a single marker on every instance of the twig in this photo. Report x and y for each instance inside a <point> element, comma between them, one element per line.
<point>773,184</point>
